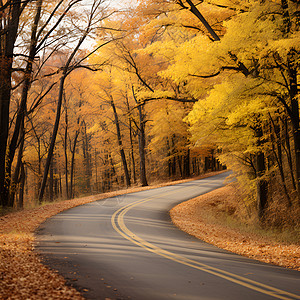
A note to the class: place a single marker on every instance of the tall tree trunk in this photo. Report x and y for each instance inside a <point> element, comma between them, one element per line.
<point>66,70</point>
<point>20,203</point>
<point>87,158</point>
<point>16,176</point>
<point>53,138</point>
<point>288,151</point>
<point>24,94</point>
<point>276,140</point>
<point>142,142</point>
<point>186,165</point>
<point>179,161</point>
<point>73,164</point>
<point>132,151</point>
<point>261,183</point>
<point>9,28</point>
<point>65,143</point>
<point>51,181</point>
<point>142,145</point>
<point>292,73</point>
<point>120,143</point>
<point>131,141</point>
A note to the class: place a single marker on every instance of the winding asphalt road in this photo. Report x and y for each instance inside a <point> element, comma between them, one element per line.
<point>126,248</point>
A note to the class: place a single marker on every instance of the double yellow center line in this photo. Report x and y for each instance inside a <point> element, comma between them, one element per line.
<point>117,221</point>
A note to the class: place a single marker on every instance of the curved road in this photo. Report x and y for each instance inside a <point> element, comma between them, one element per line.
<point>126,248</point>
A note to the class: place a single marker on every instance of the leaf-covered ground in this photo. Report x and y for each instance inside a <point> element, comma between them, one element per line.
<point>189,217</point>
<point>23,275</point>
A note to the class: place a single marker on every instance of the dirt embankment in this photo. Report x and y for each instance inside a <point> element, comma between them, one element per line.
<point>199,217</point>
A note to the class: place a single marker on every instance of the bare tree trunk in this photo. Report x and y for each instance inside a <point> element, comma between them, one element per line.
<point>24,95</point>
<point>278,154</point>
<point>288,151</point>
<point>120,143</point>
<point>186,165</point>
<point>20,203</point>
<point>66,153</point>
<point>292,72</point>
<point>16,176</point>
<point>142,145</point>
<point>131,141</point>
<point>51,181</point>
<point>73,165</point>
<point>9,28</point>
<point>53,138</point>
<point>261,183</point>
<point>66,70</point>
<point>87,158</point>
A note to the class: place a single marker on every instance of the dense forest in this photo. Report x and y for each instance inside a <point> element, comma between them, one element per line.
<point>96,96</point>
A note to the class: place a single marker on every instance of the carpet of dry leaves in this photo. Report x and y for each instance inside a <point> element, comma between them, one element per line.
<point>189,217</point>
<point>23,275</point>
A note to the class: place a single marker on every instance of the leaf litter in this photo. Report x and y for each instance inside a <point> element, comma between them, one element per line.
<point>24,276</point>
<point>22,272</point>
<point>191,217</point>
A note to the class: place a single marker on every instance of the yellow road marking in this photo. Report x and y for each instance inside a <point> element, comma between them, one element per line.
<point>117,221</point>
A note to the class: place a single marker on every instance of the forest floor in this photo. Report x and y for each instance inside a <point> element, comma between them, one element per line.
<point>210,218</point>
<point>23,275</point>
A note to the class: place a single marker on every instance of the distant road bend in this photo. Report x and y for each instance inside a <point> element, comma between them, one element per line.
<point>126,247</point>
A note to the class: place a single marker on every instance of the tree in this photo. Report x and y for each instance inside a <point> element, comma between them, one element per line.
<point>258,52</point>
<point>94,16</point>
<point>35,41</point>
<point>10,17</point>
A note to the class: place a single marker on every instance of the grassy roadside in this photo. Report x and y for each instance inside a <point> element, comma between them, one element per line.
<point>210,217</point>
<point>22,273</point>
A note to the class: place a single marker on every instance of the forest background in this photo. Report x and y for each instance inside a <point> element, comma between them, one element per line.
<point>94,97</point>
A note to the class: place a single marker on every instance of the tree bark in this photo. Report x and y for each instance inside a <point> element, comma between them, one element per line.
<point>142,145</point>
<point>65,142</point>
<point>186,164</point>
<point>142,142</point>
<point>53,138</point>
<point>51,181</point>
<point>24,95</point>
<point>87,158</point>
<point>261,183</point>
<point>292,74</point>
<point>16,176</point>
<point>120,143</point>
<point>9,28</point>
<point>20,203</point>
<point>73,165</point>
<point>131,140</point>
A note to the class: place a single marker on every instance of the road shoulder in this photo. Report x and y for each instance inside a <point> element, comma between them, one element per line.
<point>189,216</point>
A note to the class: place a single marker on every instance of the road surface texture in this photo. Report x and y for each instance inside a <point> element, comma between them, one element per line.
<point>127,248</point>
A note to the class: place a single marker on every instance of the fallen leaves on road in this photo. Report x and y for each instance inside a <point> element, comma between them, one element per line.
<point>188,216</point>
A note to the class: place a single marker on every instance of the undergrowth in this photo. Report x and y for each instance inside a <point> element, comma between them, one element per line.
<point>281,224</point>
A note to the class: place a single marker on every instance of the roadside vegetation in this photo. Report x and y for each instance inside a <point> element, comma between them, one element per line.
<point>217,218</point>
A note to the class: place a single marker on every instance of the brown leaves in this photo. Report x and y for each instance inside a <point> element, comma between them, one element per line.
<point>187,216</point>
<point>22,274</point>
